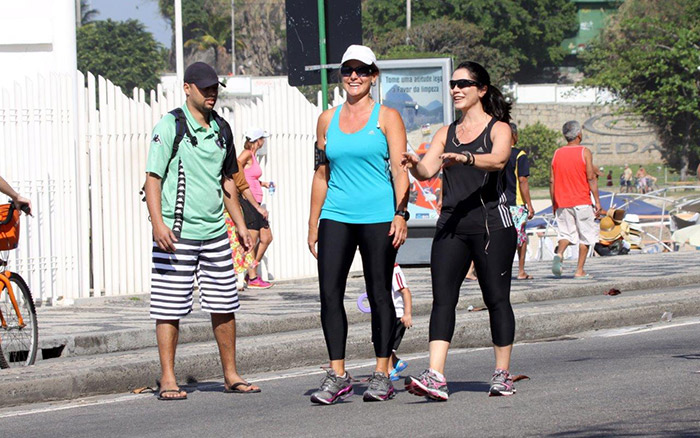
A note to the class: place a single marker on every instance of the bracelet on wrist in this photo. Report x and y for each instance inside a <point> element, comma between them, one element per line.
<point>469,158</point>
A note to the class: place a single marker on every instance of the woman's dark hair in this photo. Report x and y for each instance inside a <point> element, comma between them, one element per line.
<point>493,101</point>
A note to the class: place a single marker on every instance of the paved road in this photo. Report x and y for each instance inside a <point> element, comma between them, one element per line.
<point>637,381</point>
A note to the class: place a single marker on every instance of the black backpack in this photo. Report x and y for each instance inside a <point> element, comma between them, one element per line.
<point>181,130</point>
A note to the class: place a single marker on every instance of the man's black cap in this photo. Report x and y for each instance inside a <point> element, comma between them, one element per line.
<point>202,75</point>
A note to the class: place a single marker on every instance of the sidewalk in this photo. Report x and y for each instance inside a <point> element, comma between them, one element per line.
<point>103,325</point>
<point>108,344</point>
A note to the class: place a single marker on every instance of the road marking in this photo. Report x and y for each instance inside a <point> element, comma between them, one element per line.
<point>642,329</point>
<point>73,405</point>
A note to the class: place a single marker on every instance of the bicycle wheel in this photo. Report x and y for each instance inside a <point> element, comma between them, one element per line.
<point>18,344</point>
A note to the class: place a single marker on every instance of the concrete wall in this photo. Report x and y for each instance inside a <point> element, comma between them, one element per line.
<point>36,36</point>
<point>613,139</point>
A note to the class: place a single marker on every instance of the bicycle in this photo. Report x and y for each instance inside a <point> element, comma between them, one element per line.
<point>19,332</point>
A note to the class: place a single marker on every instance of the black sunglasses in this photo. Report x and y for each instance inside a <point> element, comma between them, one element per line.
<point>362,71</point>
<point>464,83</point>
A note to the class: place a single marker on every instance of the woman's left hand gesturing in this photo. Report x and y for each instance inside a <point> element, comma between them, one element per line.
<point>399,230</point>
<point>451,158</point>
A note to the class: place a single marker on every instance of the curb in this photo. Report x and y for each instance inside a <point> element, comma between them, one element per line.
<point>128,340</point>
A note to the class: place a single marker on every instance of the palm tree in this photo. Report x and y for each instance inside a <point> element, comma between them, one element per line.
<point>216,35</point>
<point>87,14</point>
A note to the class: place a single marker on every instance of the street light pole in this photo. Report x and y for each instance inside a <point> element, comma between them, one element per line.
<point>78,14</point>
<point>322,50</point>
<point>179,58</point>
<point>233,38</point>
<point>408,19</point>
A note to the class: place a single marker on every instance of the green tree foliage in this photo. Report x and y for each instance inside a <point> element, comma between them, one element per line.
<point>121,51</point>
<point>540,143</point>
<point>526,33</point>
<point>444,37</point>
<point>650,58</point>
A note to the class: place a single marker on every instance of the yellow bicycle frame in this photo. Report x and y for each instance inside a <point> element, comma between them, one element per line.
<point>5,279</point>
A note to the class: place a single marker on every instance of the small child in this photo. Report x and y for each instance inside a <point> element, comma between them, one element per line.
<point>402,304</point>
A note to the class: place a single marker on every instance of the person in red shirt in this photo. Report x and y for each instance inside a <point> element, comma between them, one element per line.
<point>571,183</point>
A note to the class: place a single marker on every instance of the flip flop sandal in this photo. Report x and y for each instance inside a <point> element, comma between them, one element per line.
<point>171,391</point>
<point>234,388</point>
<point>556,265</point>
<point>583,277</point>
<point>400,366</point>
<point>528,277</point>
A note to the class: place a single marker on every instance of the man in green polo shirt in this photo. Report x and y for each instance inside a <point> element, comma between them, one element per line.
<point>186,194</point>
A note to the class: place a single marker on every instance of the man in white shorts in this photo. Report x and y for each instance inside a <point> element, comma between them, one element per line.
<point>189,182</point>
<point>571,183</point>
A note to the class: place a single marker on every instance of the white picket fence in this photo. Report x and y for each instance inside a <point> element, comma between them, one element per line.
<point>83,170</point>
<point>40,159</point>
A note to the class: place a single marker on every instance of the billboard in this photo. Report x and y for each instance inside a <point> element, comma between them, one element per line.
<point>418,89</point>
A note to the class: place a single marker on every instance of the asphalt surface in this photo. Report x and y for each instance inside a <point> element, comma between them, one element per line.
<point>635,381</point>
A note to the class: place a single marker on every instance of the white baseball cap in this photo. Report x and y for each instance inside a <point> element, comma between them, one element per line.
<point>253,134</point>
<point>360,53</point>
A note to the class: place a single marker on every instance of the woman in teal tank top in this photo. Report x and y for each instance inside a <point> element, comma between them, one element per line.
<point>359,196</point>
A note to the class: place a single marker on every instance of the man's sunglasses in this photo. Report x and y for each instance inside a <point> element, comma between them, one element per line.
<point>362,71</point>
<point>464,83</point>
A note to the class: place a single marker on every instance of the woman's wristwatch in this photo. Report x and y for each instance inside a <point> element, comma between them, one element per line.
<point>404,214</point>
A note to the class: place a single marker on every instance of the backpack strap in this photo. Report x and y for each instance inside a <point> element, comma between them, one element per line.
<point>225,131</point>
<point>225,135</point>
<point>180,131</point>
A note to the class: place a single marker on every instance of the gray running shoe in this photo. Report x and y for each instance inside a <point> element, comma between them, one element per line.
<point>428,384</point>
<point>380,388</point>
<point>333,388</point>
<point>501,383</point>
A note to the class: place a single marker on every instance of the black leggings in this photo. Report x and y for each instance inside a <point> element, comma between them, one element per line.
<point>450,258</point>
<point>337,242</point>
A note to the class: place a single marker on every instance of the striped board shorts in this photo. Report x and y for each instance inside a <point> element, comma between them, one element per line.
<point>173,276</point>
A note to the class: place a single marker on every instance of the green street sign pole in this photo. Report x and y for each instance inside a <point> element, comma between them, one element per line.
<point>322,46</point>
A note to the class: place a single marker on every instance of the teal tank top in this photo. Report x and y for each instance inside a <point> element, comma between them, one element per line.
<point>360,190</point>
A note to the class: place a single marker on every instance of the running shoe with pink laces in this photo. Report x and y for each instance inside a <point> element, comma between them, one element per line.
<point>501,383</point>
<point>259,283</point>
<point>428,384</point>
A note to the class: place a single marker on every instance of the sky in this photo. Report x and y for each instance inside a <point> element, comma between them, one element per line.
<point>146,11</point>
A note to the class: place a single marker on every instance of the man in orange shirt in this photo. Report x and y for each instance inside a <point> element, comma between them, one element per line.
<point>571,182</point>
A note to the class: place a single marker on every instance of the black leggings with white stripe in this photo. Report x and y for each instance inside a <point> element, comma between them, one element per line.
<point>337,242</point>
<point>450,258</point>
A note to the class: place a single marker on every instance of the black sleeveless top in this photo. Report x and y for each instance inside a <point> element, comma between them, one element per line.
<point>474,200</point>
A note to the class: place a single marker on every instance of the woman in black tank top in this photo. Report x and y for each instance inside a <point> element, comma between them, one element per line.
<point>474,224</point>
